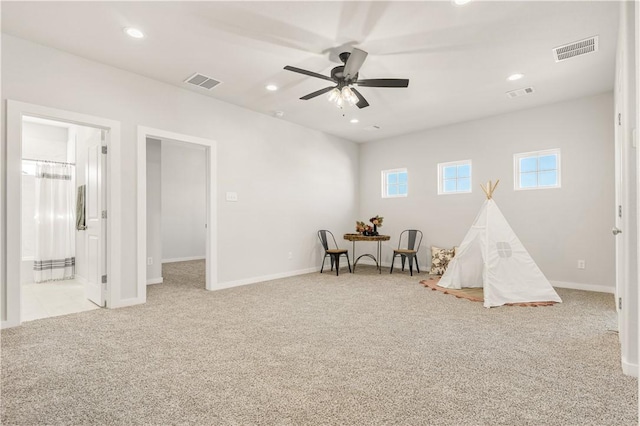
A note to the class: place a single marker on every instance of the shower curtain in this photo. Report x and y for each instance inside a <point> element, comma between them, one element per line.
<point>55,222</point>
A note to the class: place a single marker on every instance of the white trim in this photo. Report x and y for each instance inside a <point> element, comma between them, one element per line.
<point>384,182</point>
<point>629,369</point>
<point>183,259</point>
<point>586,287</point>
<point>516,168</point>
<point>132,301</point>
<point>15,110</point>
<point>441,179</point>
<point>211,254</point>
<point>253,280</point>
<point>155,281</point>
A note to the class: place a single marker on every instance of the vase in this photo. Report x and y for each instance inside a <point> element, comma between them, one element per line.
<point>375,230</point>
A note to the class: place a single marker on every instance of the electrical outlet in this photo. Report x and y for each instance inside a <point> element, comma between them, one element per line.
<point>290,255</point>
<point>581,264</point>
<point>232,196</point>
<point>149,260</point>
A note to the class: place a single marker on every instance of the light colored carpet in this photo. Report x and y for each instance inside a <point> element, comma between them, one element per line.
<point>319,349</point>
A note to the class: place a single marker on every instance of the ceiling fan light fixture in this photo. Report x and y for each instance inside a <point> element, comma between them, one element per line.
<point>343,77</point>
<point>348,95</point>
<point>334,95</point>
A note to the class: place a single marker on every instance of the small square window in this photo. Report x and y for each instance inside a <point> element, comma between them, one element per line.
<point>537,170</point>
<point>454,177</point>
<point>395,183</point>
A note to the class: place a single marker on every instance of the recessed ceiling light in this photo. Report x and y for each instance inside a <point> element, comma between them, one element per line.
<point>134,32</point>
<point>461,2</point>
<point>271,87</point>
<point>354,121</point>
<point>514,77</point>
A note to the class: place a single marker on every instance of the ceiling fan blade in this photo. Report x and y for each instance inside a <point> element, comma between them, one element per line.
<point>383,82</point>
<point>355,61</point>
<point>309,73</point>
<point>317,93</point>
<point>362,102</point>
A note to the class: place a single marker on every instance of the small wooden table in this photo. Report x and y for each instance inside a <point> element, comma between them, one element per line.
<point>359,237</point>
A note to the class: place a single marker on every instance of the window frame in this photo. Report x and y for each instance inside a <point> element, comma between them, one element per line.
<point>542,153</point>
<point>385,191</point>
<point>441,180</point>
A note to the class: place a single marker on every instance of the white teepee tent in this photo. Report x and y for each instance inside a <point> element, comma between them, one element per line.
<point>492,256</point>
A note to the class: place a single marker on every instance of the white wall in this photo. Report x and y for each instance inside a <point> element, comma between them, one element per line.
<point>557,226</point>
<point>291,180</point>
<point>154,210</point>
<point>45,142</point>
<point>184,197</point>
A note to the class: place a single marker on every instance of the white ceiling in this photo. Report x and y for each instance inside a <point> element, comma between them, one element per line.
<point>456,57</point>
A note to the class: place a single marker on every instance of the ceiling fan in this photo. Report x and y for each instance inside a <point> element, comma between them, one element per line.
<point>346,76</point>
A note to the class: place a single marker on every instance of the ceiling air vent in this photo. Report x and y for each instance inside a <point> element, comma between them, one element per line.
<point>202,81</point>
<point>520,92</point>
<point>577,48</point>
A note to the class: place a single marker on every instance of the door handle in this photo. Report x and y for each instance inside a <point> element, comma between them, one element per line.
<point>616,231</point>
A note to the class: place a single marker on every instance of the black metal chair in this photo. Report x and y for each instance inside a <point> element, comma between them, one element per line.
<point>408,247</point>
<point>333,253</point>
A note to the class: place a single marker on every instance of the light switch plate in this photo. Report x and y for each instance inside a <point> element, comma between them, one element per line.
<point>232,196</point>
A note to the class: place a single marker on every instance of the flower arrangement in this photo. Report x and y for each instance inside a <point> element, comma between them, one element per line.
<point>376,220</point>
<point>361,227</point>
<point>365,229</point>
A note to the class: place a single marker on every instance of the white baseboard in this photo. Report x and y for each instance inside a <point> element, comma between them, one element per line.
<point>154,281</point>
<point>183,259</point>
<point>629,369</point>
<point>126,302</point>
<point>253,280</point>
<point>562,284</point>
<point>585,287</point>
<point>9,324</point>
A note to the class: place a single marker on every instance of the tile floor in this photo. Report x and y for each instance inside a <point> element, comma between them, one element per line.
<point>45,300</point>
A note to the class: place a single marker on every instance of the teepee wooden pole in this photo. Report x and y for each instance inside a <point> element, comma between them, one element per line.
<point>494,187</point>
<point>488,190</point>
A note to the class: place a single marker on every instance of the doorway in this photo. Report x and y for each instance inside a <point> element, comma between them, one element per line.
<point>176,213</point>
<point>108,261</point>
<point>210,194</point>
<point>63,254</point>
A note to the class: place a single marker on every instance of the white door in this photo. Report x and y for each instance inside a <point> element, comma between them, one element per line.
<point>620,199</point>
<point>95,222</point>
<point>626,222</point>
